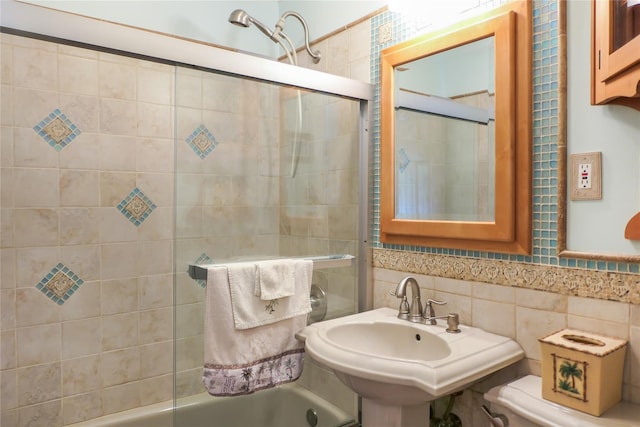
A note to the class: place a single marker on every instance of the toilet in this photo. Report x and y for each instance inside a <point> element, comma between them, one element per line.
<point>520,403</point>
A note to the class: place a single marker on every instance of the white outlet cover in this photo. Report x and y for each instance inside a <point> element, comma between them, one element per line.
<point>585,176</point>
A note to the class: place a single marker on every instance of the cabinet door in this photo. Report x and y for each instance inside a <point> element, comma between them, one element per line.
<point>616,52</point>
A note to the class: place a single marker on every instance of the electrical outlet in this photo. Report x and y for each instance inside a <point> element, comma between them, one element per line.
<point>585,174</point>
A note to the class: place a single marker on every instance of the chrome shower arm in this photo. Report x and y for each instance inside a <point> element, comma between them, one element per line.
<point>243,19</point>
<point>280,28</point>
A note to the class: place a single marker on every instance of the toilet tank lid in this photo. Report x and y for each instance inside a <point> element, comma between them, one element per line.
<point>524,397</point>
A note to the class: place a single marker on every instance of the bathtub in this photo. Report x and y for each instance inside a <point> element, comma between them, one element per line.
<point>286,406</point>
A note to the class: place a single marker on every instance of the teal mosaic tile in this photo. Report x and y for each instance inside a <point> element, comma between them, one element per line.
<point>136,207</point>
<point>202,259</point>
<point>57,130</point>
<point>403,160</point>
<point>202,142</point>
<point>545,130</point>
<point>545,51</point>
<point>59,284</point>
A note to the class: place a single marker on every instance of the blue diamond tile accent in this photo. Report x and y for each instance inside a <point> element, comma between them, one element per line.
<point>57,130</point>
<point>59,284</point>
<point>202,142</point>
<point>136,207</point>
<point>203,259</point>
<point>403,160</point>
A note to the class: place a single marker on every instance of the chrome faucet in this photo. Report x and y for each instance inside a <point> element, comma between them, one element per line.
<point>414,312</point>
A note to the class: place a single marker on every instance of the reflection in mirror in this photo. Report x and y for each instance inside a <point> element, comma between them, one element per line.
<point>445,135</point>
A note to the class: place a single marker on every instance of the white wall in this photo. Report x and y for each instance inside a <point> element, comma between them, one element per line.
<point>598,225</point>
<point>207,20</point>
<point>199,20</point>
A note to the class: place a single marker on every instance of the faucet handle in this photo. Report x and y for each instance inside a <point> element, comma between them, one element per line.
<point>428,314</point>
<point>428,306</point>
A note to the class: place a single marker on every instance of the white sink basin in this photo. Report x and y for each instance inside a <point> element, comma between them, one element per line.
<point>405,341</point>
<point>396,362</point>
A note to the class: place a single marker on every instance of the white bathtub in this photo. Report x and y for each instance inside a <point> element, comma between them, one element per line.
<point>285,406</point>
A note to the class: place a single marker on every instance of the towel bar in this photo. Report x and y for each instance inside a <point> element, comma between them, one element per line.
<point>199,272</point>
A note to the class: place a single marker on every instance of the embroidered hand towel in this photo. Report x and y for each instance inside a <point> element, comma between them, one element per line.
<point>276,278</point>
<point>250,311</point>
<point>242,361</point>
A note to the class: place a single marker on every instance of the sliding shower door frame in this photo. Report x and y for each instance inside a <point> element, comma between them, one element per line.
<point>62,27</point>
<point>40,22</point>
<point>169,49</point>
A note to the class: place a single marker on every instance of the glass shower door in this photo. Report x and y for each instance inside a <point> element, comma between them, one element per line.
<point>263,171</point>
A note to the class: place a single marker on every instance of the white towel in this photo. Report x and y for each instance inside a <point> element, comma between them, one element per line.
<point>250,311</point>
<point>276,278</point>
<point>241,361</point>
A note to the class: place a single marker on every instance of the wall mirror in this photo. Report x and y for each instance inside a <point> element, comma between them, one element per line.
<point>455,167</point>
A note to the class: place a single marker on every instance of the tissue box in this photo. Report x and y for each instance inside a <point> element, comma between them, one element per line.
<point>582,371</point>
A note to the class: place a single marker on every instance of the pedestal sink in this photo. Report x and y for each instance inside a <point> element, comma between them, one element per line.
<point>398,366</point>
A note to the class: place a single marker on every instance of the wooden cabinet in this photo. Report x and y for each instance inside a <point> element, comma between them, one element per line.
<point>615,55</point>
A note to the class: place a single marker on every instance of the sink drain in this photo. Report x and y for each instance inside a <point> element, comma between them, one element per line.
<point>312,417</point>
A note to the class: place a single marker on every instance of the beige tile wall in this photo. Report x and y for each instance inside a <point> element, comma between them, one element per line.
<point>345,53</point>
<point>319,217</point>
<point>329,225</point>
<point>108,347</point>
<point>227,201</point>
<point>244,203</point>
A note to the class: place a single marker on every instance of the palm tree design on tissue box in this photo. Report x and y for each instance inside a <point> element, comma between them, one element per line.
<point>570,377</point>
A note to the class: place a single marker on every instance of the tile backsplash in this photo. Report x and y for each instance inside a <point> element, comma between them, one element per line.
<point>498,299</point>
<point>592,283</point>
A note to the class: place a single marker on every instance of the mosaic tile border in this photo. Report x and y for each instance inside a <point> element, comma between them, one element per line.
<point>403,160</point>
<point>547,241</point>
<point>202,259</point>
<point>597,284</point>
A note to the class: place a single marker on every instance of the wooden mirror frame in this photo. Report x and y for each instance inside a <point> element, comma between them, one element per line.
<point>510,231</point>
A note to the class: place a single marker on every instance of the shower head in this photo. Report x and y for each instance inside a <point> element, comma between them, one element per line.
<point>242,19</point>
